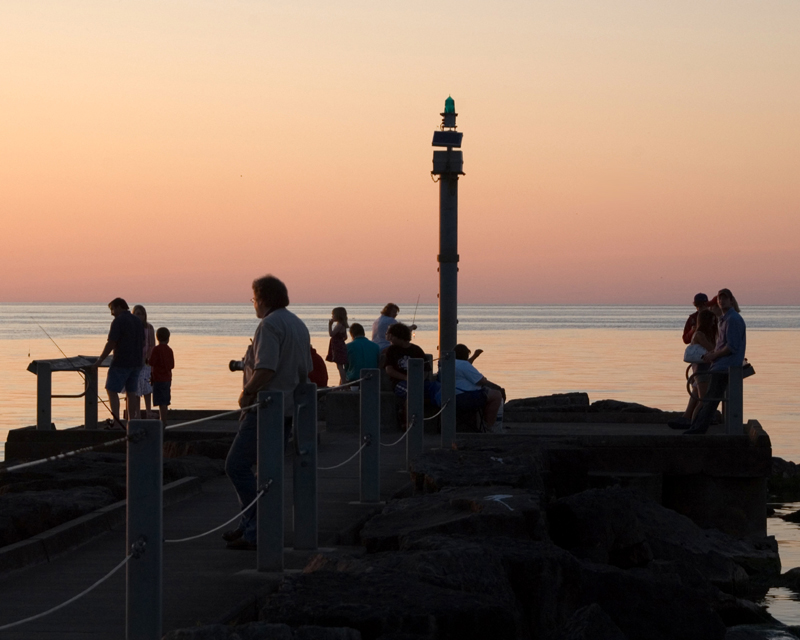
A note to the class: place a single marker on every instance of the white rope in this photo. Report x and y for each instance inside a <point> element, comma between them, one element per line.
<point>110,443</point>
<point>214,417</point>
<point>342,386</point>
<point>345,462</point>
<point>224,524</point>
<point>438,413</point>
<point>400,439</point>
<point>71,600</point>
<point>66,454</point>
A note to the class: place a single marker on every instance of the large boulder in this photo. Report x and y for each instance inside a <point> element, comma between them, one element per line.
<point>382,602</point>
<point>26,514</point>
<point>463,467</point>
<point>263,631</point>
<point>784,481</point>
<point>478,511</point>
<point>624,528</point>
<point>591,623</point>
<point>649,606</point>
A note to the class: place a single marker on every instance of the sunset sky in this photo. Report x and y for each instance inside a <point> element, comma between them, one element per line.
<point>615,152</point>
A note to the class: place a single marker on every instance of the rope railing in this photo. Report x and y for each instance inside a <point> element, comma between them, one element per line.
<point>214,417</point>
<point>11,625</point>
<point>401,438</point>
<point>263,490</point>
<point>438,413</point>
<point>343,386</point>
<point>341,464</point>
<point>111,443</point>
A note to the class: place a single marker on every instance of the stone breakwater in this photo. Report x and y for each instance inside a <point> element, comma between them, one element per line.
<point>485,546</point>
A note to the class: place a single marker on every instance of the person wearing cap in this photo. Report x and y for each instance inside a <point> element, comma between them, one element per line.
<point>474,391</point>
<point>700,303</point>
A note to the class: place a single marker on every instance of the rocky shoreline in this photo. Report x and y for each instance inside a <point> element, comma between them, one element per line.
<point>489,541</point>
<point>485,548</point>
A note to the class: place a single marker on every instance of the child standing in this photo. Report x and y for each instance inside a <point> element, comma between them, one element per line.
<point>337,350</point>
<point>162,362</point>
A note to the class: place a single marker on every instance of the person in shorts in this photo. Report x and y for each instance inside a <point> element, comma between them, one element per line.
<point>162,362</point>
<point>473,391</point>
<point>126,340</point>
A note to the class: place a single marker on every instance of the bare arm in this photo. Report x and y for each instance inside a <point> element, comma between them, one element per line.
<point>394,373</point>
<point>475,355</point>
<point>110,344</point>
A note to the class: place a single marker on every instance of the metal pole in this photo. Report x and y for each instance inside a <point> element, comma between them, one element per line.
<point>44,388</point>
<point>735,400</point>
<point>269,555</point>
<point>448,261</point>
<point>90,399</point>
<point>145,531</point>
<point>371,435</point>
<point>415,406</point>
<point>305,467</point>
<point>448,417</point>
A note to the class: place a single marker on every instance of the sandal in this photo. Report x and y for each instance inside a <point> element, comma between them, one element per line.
<point>111,424</point>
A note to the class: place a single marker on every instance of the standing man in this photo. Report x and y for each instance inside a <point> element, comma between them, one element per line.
<point>361,353</point>
<point>729,352</point>
<point>278,360</point>
<point>126,340</point>
<point>387,318</point>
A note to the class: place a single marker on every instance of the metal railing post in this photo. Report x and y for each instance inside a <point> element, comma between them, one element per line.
<point>44,388</point>
<point>448,417</point>
<point>735,400</point>
<point>269,555</point>
<point>305,467</point>
<point>90,399</point>
<point>415,407</point>
<point>145,533</point>
<point>370,469</point>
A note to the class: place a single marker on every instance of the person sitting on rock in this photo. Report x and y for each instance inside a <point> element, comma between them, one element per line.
<point>361,353</point>
<point>473,391</point>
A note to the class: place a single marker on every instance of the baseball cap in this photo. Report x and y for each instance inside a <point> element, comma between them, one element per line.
<point>700,298</point>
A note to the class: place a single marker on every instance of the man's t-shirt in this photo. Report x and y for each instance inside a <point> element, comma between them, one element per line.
<point>397,357</point>
<point>467,377</point>
<point>128,333</point>
<point>379,328</point>
<point>162,362</point>
<point>361,354</point>
<point>282,344</point>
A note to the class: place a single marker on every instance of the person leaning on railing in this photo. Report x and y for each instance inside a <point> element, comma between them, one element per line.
<point>728,352</point>
<point>278,360</point>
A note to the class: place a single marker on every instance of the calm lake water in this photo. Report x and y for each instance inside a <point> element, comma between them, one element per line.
<point>631,353</point>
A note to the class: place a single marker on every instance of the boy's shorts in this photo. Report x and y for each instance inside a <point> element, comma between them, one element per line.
<point>123,378</point>
<point>162,393</point>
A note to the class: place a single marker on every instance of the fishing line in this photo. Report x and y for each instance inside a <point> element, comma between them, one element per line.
<point>415,313</point>
<point>74,368</point>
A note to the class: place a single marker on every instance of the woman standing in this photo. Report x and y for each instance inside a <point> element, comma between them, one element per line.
<point>705,336</point>
<point>145,388</point>
<point>337,350</point>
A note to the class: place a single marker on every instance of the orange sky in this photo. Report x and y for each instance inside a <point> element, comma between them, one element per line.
<point>620,152</point>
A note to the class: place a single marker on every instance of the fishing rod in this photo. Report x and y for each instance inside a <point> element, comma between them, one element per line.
<point>74,368</point>
<point>416,306</point>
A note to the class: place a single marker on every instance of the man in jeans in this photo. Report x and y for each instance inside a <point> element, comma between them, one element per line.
<point>126,340</point>
<point>728,352</point>
<point>278,360</point>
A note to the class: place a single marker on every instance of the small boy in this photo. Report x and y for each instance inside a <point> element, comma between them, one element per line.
<point>162,362</point>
